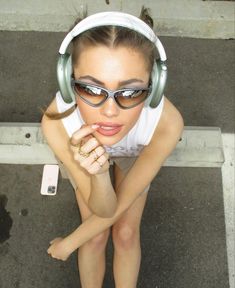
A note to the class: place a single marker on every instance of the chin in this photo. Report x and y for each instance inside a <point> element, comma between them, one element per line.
<point>108,141</point>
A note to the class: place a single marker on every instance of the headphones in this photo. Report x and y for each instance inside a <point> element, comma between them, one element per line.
<point>64,65</point>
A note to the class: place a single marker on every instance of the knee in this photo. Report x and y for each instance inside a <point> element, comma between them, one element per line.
<point>125,237</point>
<point>98,242</point>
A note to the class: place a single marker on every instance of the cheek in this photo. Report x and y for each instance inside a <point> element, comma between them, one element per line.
<point>87,112</point>
<point>131,116</point>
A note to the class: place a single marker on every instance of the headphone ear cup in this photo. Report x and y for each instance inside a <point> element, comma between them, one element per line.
<point>64,73</point>
<point>158,77</point>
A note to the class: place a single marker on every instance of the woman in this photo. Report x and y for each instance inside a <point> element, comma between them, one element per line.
<point>112,81</point>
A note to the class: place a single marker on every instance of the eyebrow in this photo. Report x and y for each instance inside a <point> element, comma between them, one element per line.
<point>121,83</point>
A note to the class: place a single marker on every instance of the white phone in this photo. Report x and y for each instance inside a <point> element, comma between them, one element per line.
<point>49,179</point>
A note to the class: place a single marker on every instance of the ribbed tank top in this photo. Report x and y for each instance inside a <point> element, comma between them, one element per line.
<point>129,146</point>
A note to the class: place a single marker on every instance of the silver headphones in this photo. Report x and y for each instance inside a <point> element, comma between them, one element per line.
<point>64,65</point>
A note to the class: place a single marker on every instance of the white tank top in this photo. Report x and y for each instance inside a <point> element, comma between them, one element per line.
<point>129,146</point>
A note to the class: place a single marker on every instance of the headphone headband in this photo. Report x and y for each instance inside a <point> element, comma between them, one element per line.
<point>64,65</point>
<point>115,19</point>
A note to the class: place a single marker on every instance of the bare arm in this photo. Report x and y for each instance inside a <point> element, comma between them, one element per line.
<point>92,180</point>
<point>163,142</point>
<point>102,200</point>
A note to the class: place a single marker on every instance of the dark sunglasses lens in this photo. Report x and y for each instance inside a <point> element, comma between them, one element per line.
<point>131,98</point>
<point>91,94</point>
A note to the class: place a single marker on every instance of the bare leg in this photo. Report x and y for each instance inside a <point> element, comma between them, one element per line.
<point>126,239</point>
<point>91,255</point>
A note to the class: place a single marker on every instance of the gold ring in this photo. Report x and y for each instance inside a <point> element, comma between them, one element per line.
<point>96,156</point>
<point>80,152</point>
<point>101,164</point>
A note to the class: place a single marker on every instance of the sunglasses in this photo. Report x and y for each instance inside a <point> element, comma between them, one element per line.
<point>95,96</point>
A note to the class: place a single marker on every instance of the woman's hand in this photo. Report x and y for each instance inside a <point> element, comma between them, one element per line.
<point>88,151</point>
<point>59,249</point>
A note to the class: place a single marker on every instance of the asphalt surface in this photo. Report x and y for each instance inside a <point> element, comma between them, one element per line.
<point>200,81</point>
<point>183,228</point>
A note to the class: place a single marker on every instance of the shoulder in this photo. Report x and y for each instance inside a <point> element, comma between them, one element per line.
<point>58,140</point>
<point>164,140</point>
<point>171,124</point>
<point>54,132</point>
<point>171,117</point>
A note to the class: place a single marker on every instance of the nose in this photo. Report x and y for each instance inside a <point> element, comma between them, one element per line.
<point>110,108</point>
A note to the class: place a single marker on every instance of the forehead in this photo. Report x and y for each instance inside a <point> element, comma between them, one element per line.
<point>118,63</point>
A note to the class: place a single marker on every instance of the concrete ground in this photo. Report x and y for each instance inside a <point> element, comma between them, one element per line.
<point>183,228</point>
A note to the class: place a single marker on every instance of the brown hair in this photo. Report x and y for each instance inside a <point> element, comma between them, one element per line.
<point>112,36</point>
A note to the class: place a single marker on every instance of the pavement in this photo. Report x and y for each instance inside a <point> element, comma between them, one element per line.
<point>183,227</point>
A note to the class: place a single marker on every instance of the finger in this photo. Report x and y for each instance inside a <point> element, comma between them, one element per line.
<point>94,155</point>
<point>98,164</point>
<point>94,168</point>
<point>90,145</point>
<point>81,133</point>
<point>52,241</point>
<point>100,151</point>
<point>101,161</point>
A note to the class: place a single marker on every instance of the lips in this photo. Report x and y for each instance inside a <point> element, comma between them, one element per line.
<point>108,128</point>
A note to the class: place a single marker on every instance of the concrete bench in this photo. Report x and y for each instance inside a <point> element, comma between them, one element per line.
<point>23,143</point>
